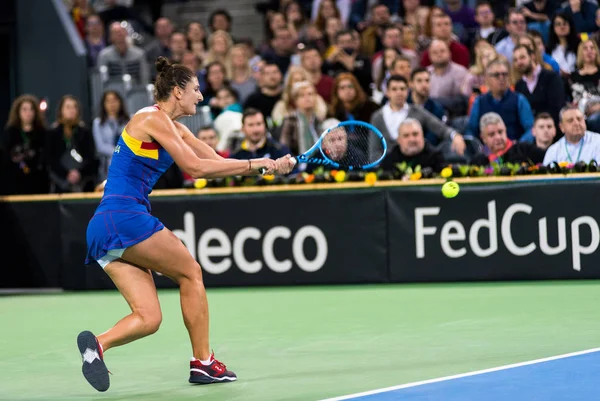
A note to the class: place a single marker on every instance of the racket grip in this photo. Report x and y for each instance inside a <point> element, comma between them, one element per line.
<point>262,170</point>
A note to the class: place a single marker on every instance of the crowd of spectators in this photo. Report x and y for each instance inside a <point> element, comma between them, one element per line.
<point>445,83</point>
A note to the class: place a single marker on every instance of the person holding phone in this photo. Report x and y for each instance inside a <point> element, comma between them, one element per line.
<point>345,57</point>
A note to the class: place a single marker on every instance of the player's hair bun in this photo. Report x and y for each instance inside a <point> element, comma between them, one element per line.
<point>162,64</point>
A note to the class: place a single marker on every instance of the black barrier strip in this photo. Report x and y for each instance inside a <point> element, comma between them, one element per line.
<point>61,254</point>
<point>388,235</point>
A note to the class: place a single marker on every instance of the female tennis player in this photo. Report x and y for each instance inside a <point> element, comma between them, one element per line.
<point>128,242</point>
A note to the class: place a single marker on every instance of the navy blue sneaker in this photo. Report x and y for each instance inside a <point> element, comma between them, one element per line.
<point>94,370</point>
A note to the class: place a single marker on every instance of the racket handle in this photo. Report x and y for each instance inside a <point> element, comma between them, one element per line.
<point>262,170</point>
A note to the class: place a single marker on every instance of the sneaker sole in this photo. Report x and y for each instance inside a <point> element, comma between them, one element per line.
<point>95,372</point>
<point>210,380</point>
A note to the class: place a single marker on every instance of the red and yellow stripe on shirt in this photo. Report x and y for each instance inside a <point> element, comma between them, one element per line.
<point>140,148</point>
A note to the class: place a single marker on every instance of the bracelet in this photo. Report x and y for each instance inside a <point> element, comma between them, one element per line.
<point>249,164</point>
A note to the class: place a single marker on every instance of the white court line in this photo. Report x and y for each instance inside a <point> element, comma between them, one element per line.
<point>462,375</point>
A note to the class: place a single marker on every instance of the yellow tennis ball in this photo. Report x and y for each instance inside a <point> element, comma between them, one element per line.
<point>200,183</point>
<point>450,189</point>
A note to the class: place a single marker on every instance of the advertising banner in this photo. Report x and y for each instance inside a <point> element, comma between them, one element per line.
<point>495,232</point>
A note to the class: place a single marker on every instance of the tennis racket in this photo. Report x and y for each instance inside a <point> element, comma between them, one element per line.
<point>350,145</point>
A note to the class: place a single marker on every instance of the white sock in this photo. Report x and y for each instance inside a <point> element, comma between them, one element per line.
<point>207,362</point>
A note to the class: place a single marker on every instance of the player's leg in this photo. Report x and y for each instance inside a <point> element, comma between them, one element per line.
<point>137,286</point>
<point>164,253</point>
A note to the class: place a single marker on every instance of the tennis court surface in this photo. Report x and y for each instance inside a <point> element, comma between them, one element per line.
<point>489,341</point>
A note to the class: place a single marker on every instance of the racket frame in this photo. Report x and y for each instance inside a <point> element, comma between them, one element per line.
<point>325,161</point>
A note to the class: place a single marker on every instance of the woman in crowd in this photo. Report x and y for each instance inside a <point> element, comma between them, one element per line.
<point>107,129</point>
<point>327,9</point>
<point>332,26</point>
<point>587,74</point>
<point>196,36</point>
<point>475,81</point>
<point>216,78</point>
<point>301,128</point>
<point>563,43</point>
<point>296,21</point>
<point>241,74</point>
<point>349,101</point>
<point>381,76</point>
<point>284,106</point>
<point>70,150</point>
<point>22,169</point>
<point>219,43</point>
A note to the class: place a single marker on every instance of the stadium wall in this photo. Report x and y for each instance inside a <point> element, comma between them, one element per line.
<point>51,59</point>
<point>546,229</point>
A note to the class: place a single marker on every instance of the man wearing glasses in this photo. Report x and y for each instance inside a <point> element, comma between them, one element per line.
<point>484,15</point>
<point>512,107</point>
<point>516,27</point>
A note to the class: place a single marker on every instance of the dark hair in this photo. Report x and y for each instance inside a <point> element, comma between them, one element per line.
<point>309,47</point>
<point>483,4</point>
<point>269,33</point>
<point>222,12</point>
<point>231,91</point>
<point>61,103</point>
<point>542,116</point>
<point>529,51</point>
<point>572,39</point>
<point>189,25</point>
<point>121,114</point>
<point>382,70</point>
<point>444,16</point>
<point>268,63</point>
<point>210,65</point>
<point>390,27</point>
<point>396,78</point>
<point>176,32</point>
<point>302,16</point>
<point>206,128</point>
<point>513,11</point>
<point>535,33</point>
<point>379,4</point>
<point>209,90</point>
<point>14,117</point>
<point>250,112</point>
<point>169,76</point>
<point>343,32</point>
<point>416,71</point>
<point>244,41</point>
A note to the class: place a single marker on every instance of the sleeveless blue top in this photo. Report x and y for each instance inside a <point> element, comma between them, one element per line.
<point>123,217</point>
<point>135,168</point>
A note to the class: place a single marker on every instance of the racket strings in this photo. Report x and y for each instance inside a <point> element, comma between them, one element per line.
<point>353,145</point>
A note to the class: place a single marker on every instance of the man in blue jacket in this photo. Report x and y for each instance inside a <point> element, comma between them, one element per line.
<point>511,106</point>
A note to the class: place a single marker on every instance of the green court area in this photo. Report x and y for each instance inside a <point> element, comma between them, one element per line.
<point>297,343</point>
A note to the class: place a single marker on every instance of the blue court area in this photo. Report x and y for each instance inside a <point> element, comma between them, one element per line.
<point>571,377</point>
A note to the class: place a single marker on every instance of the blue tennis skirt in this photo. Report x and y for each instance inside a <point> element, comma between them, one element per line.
<point>114,228</point>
